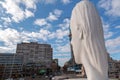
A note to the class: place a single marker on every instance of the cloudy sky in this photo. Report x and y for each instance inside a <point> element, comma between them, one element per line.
<point>47,21</point>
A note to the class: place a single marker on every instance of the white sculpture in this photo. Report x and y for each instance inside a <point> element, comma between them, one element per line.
<point>88,41</point>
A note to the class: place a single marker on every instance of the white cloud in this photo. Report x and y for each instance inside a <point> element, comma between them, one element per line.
<point>17,14</point>
<point>7,19</point>
<point>57,12</point>
<point>29,3</point>
<point>49,1</point>
<point>0,26</point>
<point>6,49</point>
<point>40,22</point>
<point>113,45</point>
<point>62,31</point>
<point>117,26</point>
<point>60,34</point>
<point>28,36</point>
<point>112,7</point>
<point>52,35</point>
<point>13,9</point>
<point>107,32</point>
<point>44,32</point>
<point>113,42</point>
<point>12,37</point>
<point>35,36</point>
<point>65,25</point>
<point>66,1</point>
<point>28,13</point>
<point>62,55</point>
<point>106,27</point>
<point>59,41</point>
<point>65,48</point>
<point>54,15</point>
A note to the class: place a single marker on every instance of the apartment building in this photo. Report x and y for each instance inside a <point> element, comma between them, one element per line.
<point>114,68</point>
<point>34,52</point>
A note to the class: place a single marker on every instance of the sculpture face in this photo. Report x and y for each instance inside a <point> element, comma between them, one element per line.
<point>88,41</point>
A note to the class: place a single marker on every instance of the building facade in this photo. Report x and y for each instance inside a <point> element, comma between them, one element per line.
<point>10,65</point>
<point>114,68</point>
<point>34,52</point>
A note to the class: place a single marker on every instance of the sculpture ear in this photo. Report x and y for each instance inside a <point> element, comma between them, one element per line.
<point>80,31</point>
<point>81,35</point>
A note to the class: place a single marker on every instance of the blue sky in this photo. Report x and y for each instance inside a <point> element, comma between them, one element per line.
<point>47,21</point>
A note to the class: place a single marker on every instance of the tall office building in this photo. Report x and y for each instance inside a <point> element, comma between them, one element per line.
<point>34,52</point>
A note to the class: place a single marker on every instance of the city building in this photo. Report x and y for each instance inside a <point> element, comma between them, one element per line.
<point>114,68</point>
<point>56,61</point>
<point>10,65</point>
<point>55,66</point>
<point>34,52</point>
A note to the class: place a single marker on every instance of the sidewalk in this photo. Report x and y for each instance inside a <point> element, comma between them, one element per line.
<point>84,79</point>
<point>71,77</point>
<point>76,79</point>
<point>66,77</point>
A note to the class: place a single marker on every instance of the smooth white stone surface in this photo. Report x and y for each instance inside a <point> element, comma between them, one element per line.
<point>88,41</point>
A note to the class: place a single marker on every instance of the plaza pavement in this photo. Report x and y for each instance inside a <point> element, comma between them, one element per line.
<point>72,77</point>
<point>84,79</point>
